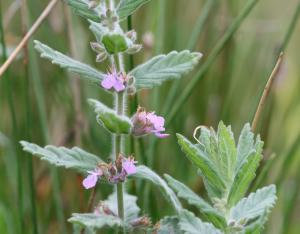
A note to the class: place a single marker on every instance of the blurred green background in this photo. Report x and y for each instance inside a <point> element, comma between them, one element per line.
<point>42,103</point>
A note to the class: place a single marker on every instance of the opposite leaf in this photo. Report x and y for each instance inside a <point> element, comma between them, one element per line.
<point>85,71</point>
<point>110,119</point>
<point>192,198</point>
<point>127,7</point>
<point>255,206</point>
<point>81,7</point>
<point>74,158</point>
<point>203,163</point>
<point>146,173</point>
<point>189,224</point>
<point>164,67</point>
<point>96,221</point>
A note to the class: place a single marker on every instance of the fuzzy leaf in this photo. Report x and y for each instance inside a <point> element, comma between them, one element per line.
<point>74,158</point>
<point>98,30</point>
<point>168,225</point>
<point>254,206</point>
<point>81,7</point>
<point>146,173</point>
<point>189,224</point>
<point>96,221</point>
<point>131,210</point>
<point>164,67</point>
<point>85,71</point>
<point>203,163</point>
<point>192,198</point>
<point>110,119</point>
<point>245,174</point>
<point>127,7</point>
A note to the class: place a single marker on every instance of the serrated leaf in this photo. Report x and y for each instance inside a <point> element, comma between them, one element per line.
<point>85,71</point>
<point>255,206</point>
<point>164,67</point>
<point>203,163</point>
<point>146,173</point>
<point>189,224</point>
<point>96,221</point>
<point>168,225</point>
<point>245,175</point>
<point>126,7</point>
<point>81,7</point>
<point>74,158</point>
<point>110,119</point>
<point>192,198</point>
<point>131,210</point>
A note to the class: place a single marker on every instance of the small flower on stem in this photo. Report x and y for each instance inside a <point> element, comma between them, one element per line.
<point>114,80</point>
<point>91,180</point>
<point>128,165</point>
<point>148,122</point>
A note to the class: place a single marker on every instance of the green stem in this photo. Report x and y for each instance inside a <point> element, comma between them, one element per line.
<point>187,92</point>
<point>8,87</point>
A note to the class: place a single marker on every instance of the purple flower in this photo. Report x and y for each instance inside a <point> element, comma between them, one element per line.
<point>128,165</point>
<point>148,122</point>
<point>114,80</point>
<point>91,180</point>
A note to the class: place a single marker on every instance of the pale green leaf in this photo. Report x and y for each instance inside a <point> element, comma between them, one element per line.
<point>126,7</point>
<point>164,67</point>
<point>168,225</point>
<point>85,71</point>
<point>203,163</point>
<point>110,119</point>
<point>146,173</point>
<point>255,206</point>
<point>131,210</point>
<point>81,7</point>
<point>98,30</point>
<point>74,158</point>
<point>96,221</point>
<point>192,198</point>
<point>245,174</point>
<point>189,224</point>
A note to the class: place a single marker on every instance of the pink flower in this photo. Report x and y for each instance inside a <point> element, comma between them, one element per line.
<point>128,165</point>
<point>91,180</point>
<point>114,80</point>
<point>148,122</point>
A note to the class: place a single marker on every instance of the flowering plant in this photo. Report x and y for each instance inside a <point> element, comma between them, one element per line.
<point>226,170</point>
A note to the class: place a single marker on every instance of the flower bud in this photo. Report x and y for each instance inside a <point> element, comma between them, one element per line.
<point>134,49</point>
<point>101,57</point>
<point>139,222</point>
<point>132,35</point>
<point>97,47</point>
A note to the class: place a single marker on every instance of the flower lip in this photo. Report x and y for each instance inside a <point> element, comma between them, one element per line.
<point>117,81</point>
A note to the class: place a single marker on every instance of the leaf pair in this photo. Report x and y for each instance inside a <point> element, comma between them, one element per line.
<point>227,171</point>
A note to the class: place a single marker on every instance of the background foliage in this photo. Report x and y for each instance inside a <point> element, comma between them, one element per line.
<point>37,104</point>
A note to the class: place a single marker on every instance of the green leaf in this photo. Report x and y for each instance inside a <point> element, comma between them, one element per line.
<point>81,7</point>
<point>98,30</point>
<point>255,206</point>
<point>74,158</point>
<point>110,119</point>
<point>114,43</point>
<point>245,174</point>
<point>131,210</point>
<point>203,163</point>
<point>146,173</point>
<point>192,198</point>
<point>164,67</point>
<point>127,7</point>
<point>189,224</point>
<point>168,225</point>
<point>96,221</point>
<point>85,71</point>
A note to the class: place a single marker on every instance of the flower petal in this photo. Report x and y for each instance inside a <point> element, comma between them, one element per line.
<point>90,181</point>
<point>161,135</point>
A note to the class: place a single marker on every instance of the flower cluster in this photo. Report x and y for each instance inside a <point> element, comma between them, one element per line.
<point>148,122</point>
<point>113,172</point>
<point>115,80</point>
